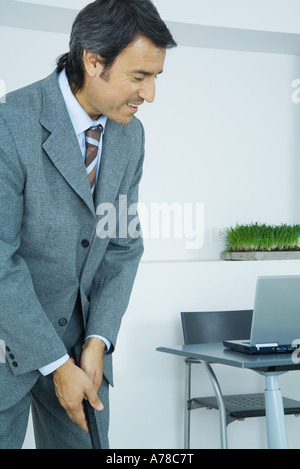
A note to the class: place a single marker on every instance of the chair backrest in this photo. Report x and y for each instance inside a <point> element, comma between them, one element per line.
<point>215,326</point>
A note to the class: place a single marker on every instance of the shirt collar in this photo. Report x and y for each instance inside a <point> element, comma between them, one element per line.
<point>80,119</point>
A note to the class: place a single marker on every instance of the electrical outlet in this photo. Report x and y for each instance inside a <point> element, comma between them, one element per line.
<point>218,233</point>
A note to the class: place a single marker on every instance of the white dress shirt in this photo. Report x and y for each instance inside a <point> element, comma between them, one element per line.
<point>81,122</point>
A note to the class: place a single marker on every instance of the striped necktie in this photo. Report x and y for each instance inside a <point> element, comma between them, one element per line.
<point>92,139</point>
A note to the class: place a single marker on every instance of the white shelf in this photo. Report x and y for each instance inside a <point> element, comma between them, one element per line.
<point>36,17</point>
<point>215,37</point>
<point>59,20</point>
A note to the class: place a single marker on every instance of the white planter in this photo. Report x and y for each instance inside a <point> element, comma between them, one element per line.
<point>260,255</point>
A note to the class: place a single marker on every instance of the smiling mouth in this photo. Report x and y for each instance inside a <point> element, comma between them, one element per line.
<point>133,105</point>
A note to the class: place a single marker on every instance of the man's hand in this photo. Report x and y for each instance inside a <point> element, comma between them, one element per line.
<point>73,384</point>
<point>92,360</point>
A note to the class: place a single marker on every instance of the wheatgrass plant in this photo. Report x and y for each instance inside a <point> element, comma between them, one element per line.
<point>261,237</point>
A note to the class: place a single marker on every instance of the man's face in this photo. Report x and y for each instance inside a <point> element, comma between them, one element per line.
<point>130,81</point>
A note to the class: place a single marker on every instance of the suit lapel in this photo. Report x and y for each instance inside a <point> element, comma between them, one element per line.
<point>63,149</point>
<point>65,154</point>
<point>114,159</point>
<point>62,146</point>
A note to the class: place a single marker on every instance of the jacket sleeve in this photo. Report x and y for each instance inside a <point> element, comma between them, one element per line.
<point>115,277</point>
<point>29,336</point>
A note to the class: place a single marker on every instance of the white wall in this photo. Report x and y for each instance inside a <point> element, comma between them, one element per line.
<point>267,15</point>
<point>223,132</point>
<point>227,138</point>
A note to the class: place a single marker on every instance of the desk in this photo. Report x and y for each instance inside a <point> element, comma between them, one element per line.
<point>269,365</point>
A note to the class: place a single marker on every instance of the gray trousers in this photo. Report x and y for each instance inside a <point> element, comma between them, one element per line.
<point>53,429</point>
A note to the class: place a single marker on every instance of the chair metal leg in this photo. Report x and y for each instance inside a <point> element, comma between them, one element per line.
<point>221,404</point>
<point>187,413</point>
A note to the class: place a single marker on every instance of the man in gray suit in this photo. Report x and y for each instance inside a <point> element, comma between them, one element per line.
<point>71,156</point>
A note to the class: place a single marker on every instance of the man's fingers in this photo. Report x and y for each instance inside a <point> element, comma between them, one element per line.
<point>78,417</point>
<point>71,385</point>
<point>94,400</point>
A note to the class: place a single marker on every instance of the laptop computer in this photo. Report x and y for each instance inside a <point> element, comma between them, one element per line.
<point>276,317</point>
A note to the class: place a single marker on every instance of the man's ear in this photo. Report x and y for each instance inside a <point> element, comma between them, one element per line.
<point>92,64</point>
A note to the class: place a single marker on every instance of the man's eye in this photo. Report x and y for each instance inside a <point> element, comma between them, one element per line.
<point>138,78</point>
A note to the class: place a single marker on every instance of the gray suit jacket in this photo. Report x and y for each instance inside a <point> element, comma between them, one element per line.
<point>50,248</point>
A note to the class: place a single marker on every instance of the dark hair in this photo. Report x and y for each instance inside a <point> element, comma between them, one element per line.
<point>106,27</point>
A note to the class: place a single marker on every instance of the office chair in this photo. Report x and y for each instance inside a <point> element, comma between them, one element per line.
<point>216,326</point>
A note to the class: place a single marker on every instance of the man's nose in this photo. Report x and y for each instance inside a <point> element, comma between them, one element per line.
<point>147,92</point>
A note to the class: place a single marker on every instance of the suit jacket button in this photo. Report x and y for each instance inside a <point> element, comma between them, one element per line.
<point>7,349</point>
<point>63,322</point>
<point>11,356</point>
<point>15,364</point>
<point>85,243</point>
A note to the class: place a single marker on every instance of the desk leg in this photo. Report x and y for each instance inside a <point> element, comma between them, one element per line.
<point>187,413</point>
<point>276,431</point>
<point>221,405</point>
